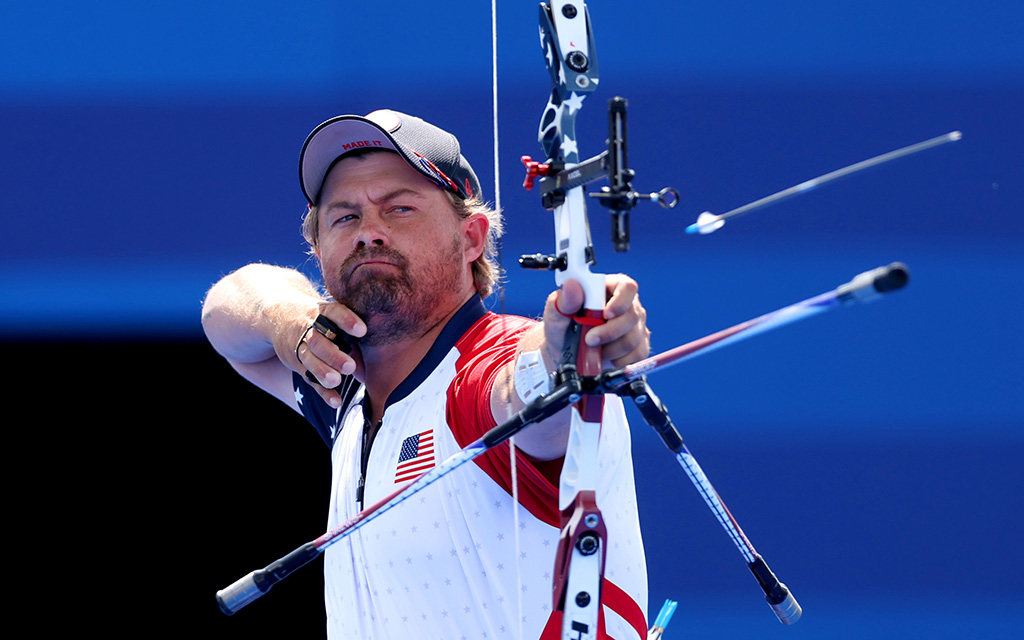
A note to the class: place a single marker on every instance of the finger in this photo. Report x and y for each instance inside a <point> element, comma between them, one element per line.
<point>636,336</point>
<point>346,319</point>
<point>314,369</point>
<point>326,360</point>
<point>570,298</point>
<point>622,291</point>
<point>619,325</point>
<point>629,349</point>
<point>559,308</point>
<point>626,335</point>
<point>342,327</point>
<point>330,396</point>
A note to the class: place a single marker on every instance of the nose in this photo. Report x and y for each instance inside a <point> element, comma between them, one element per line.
<point>372,231</point>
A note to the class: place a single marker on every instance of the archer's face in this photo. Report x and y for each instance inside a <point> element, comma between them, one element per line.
<point>391,247</point>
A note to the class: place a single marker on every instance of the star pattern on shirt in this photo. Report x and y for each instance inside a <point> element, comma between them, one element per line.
<point>402,570</point>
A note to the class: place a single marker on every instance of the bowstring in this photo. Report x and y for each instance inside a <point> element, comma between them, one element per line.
<point>501,299</point>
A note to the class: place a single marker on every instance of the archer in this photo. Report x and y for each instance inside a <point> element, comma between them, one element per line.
<point>398,365</point>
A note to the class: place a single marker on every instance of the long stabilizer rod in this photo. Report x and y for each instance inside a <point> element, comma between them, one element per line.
<point>865,287</point>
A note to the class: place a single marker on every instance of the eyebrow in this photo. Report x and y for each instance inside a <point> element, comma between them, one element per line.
<point>387,197</point>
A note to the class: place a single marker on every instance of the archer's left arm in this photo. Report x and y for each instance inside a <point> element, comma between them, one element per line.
<point>623,338</point>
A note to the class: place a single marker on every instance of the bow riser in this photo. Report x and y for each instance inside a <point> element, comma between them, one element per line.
<point>568,45</point>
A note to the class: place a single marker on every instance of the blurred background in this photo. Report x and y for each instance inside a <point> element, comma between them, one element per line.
<point>870,454</point>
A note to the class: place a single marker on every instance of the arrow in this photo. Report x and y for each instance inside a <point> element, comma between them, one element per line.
<point>708,222</point>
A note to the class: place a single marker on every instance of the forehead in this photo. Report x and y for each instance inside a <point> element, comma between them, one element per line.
<point>373,174</point>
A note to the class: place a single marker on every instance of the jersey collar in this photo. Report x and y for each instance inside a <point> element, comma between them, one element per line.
<point>457,326</point>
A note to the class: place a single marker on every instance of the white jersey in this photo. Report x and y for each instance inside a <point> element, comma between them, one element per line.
<point>445,564</point>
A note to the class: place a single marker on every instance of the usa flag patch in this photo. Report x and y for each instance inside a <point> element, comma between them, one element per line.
<point>416,456</point>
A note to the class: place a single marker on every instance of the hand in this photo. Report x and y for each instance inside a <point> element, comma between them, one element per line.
<point>623,337</point>
<point>319,356</point>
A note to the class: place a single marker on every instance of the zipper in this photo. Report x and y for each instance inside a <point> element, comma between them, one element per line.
<point>369,433</point>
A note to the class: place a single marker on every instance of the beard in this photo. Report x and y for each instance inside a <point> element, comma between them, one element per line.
<point>396,303</point>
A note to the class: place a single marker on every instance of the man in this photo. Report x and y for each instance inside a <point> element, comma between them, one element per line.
<point>405,246</point>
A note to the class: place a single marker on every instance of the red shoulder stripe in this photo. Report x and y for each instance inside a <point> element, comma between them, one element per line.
<point>488,346</point>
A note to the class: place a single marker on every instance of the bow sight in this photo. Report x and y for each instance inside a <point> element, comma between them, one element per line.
<point>618,197</point>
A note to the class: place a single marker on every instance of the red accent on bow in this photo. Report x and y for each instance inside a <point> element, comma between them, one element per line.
<point>533,169</point>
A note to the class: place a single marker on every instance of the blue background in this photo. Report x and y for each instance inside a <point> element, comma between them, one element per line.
<point>870,454</point>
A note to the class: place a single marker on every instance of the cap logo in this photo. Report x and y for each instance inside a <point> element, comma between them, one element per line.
<point>362,144</point>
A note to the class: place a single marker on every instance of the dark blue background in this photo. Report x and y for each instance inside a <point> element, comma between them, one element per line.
<point>870,454</point>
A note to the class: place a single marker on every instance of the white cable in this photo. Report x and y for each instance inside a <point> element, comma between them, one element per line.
<point>497,167</point>
<point>501,294</point>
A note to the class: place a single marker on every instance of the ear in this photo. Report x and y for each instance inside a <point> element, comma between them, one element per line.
<point>474,231</point>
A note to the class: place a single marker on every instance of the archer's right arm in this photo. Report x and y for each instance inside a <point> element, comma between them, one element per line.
<point>255,316</point>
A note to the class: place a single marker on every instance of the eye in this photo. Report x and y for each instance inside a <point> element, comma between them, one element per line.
<point>401,209</point>
<point>342,219</point>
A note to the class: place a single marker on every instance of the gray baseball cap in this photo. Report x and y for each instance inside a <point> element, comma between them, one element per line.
<point>430,150</point>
